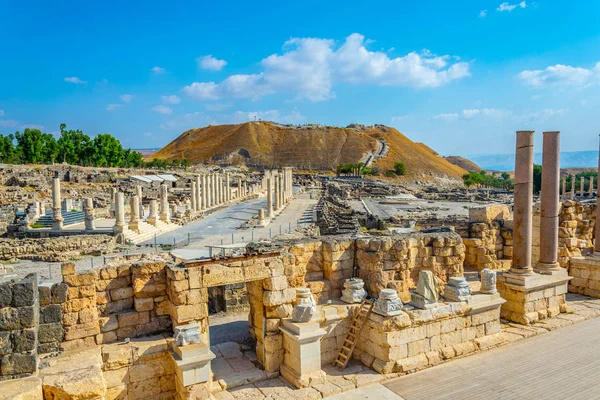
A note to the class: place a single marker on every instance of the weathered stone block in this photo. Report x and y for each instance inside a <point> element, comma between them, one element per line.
<point>24,293</point>
<point>5,295</point>
<point>50,313</point>
<point>59,293</point>
<point>24,340</point>
<point>133,318</point>
<point>51,333</point>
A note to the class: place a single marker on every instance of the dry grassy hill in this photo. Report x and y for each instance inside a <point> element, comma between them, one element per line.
<point>266,144</point>
<point>464,163</point>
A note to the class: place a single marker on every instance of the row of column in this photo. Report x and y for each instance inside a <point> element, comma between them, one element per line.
<point>159,210</point>
<point>581,186</point>
<point>279,189</point>
<point>212,190</point>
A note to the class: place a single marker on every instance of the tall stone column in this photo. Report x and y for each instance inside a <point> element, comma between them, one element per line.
<point>204,193</point>
<point>140,194</point>
<point>572,186</point>
<point>213,190</point>
<point>194,196</point>
<point>134,216</point>
<point>523,204</point>
<point>581,185</point>
<point>591,189</point>
<point>119,213</point>
<point>198,193</point>
<point>239,185</point>
<point>57,218</point>
<point>88,209</point>
<point>276,205</point>
<point>228,187</point>
<point>564,187</point>
<point>597,229</point>
<point>548,261</point>
<point>164,204</point>
<point>245,188</point>
<point>270,197</point>
<point>153,214</point>
<point>113,200</point>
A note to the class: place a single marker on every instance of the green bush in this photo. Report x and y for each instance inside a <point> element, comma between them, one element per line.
<point>400,168</point>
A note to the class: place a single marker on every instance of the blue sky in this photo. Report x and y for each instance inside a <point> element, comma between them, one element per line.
<point>458,76</point>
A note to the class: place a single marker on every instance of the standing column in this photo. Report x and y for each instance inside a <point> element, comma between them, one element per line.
<point>548,261</point>
<point>88,208</point>
<point>57,218</point>
<point>245,188</point>
<point>134,217</point>
<point>523,204</point>
<point>204,189</point>
<point>240,193</point>
<point>581,185</point>
<point>153,214</point>
<point>140,194</point>
<point>119,213</point>
<point>591,192</point>
<point>164,204</point>
<point>227,188</point>
<point>198,193</point>
<point>194,196</point>
<point>597,233</point>
<point>277,205</point>
<point>270,197</point>
<point>213,190</point>
<point>564,187</point>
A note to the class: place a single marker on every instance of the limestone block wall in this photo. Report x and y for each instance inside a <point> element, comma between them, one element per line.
<point>19,319</point>
<point>50,329</point>
<point>420,338</point>
<point>125,299</point>
<point>395,261</point>
<point>55,249</point>
<point>525,307</point>
<point>575,232</point>
<point>142,369</point>
<point>586,277</point>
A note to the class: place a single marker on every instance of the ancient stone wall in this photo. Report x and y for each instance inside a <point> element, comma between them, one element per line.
<point>51,329</point>
<point>55,249</point>
<point>19,319</point>
<point>488,238</point>
<point>420,338</point>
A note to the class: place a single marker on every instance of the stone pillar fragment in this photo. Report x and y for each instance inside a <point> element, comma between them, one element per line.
<point>140,195</point>
<point>198,193</point>
<point>204,193</point>
<point>57,218</point>
<point>549,204</point>
<point>564,187</point>
<point>276,205</point>
<point>228,187</point>
<point>572,186</point>
<point>88,209</point>
<point>134,215</point>
<point>119,213</point>
<point>591,188</point>
<point>523,204</point>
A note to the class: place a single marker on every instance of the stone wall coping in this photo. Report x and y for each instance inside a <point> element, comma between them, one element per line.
<point>589,261</point>
<point>302,332</point>
<point>485,302</point>
<point>537,283</point>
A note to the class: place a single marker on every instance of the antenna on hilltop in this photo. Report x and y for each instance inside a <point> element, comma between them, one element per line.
<point>254,117</point>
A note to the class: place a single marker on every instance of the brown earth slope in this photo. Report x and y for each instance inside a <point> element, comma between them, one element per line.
<point>464,163</point>
<point>265,144</point>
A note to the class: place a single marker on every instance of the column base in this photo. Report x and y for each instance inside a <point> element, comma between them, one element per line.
<point>550,269</point>
<point>118,229</point>
<point>302,355</point>
<point>531,298</point>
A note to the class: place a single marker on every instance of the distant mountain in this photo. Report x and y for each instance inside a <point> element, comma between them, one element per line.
<point>506,162</point>
<point>464,163</point>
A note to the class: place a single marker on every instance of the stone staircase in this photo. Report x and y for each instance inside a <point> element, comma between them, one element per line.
<point>148,231</point>
<point>70,218</point>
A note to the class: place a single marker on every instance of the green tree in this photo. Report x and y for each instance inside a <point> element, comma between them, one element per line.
<point>8,151</point>
<point>399,168</point>
<point>31,145</point>
<point>537,178</point>
<point>505,176</point>
<point>50,148</point>
<point>108,151</point>
<point>185,163</point>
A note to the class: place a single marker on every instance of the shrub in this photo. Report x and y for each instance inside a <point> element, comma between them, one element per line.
<point>399,168</point>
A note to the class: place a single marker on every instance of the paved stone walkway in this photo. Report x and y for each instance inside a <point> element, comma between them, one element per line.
<point>562,364</point>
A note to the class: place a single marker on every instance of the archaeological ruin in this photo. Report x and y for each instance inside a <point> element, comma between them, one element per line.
<point>277,283</point>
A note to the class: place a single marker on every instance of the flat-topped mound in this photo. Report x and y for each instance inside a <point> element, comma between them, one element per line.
<point>310,147</point>
<point>464,163</point>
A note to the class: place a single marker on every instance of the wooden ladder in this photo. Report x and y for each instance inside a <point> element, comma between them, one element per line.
<point>356,328</point>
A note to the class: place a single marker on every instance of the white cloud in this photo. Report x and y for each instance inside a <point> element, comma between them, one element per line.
<point>509,7</point>
<point>482,13</point>
<point>112,107</point>
<point>172,99</point>
<point>162,109</point>
<point>309,67</point>
<point>126,98</point>
<point>399,118</point>
<point>8,123</point>
<point>446,117</point>
<point>158,70</point>
<point>211,63</point>
<point>559,74</point>
<point>543,115</point>
<point>486,112</point>
<point>75,80</point>
<point>1,113</point>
